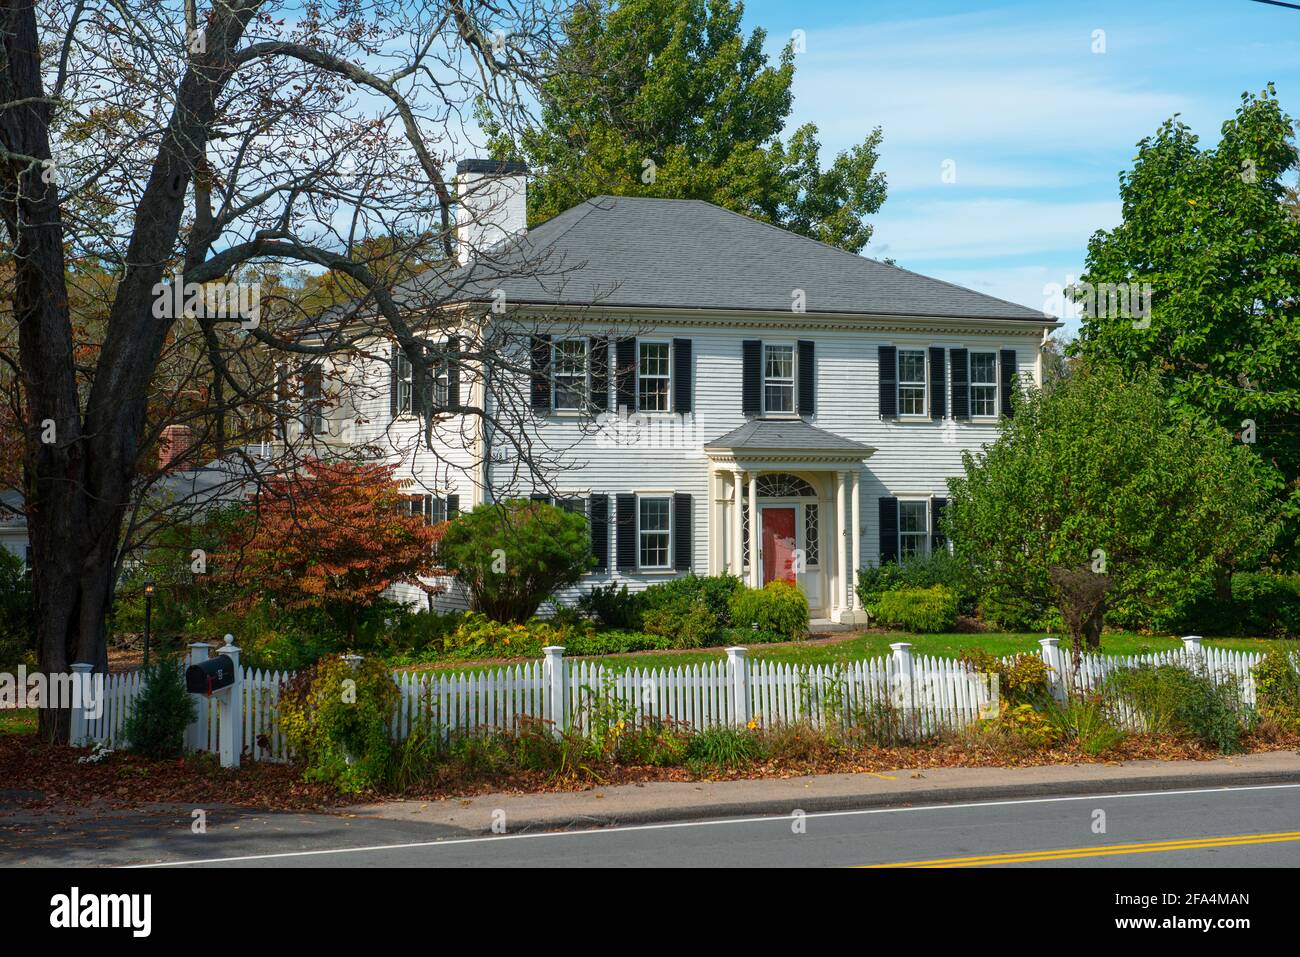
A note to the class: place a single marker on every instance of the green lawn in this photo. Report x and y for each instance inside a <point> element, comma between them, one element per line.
<point>838,648</point>
<point>19,721</point>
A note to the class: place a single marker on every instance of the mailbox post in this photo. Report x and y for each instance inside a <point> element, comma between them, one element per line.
<point>221,679</point>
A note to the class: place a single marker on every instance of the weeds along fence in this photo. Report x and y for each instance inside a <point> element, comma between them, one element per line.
<point>899,696</point>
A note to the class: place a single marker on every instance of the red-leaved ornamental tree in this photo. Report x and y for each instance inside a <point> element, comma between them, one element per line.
<point>334,536</point>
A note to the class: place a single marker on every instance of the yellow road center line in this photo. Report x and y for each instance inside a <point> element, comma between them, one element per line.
<point>1147,847</point>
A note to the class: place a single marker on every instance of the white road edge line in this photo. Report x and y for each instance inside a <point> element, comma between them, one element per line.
<point>676,824</point>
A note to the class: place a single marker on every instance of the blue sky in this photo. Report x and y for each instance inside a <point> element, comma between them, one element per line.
<point>1036,125</point>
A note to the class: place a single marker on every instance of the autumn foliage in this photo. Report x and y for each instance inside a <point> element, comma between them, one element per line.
<point>333,536</point>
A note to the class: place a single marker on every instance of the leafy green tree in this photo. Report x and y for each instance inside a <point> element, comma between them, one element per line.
<point>1215,233</point>
<point>669,98</point>
<point>1104,475</point>
<point>512,555</point>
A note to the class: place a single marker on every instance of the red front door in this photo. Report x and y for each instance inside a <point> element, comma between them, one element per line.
<point>778,544</point>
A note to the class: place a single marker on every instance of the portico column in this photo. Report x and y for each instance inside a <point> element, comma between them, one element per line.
<point>737,523</point>
<point>840,529</point>
<point>855,561</point>
<point>755,570</point>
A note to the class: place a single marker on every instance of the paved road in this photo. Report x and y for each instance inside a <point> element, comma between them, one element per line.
<point>1222,827</point>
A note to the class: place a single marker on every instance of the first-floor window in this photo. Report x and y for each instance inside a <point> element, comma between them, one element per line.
<point>984,383</point>
<point>652,377</point>
<point>570,364</point>
<point>778,378</point>
<point>913,529</point>
<point>911,382</point>
<point>313,400</point>
<point>653,517</point>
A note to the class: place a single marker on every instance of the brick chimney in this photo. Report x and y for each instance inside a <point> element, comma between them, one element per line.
<point>493,204</point>
<point>175,441</point>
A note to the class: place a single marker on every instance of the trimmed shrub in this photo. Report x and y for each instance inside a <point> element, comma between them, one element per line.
<point>689,624</point>
<point>777,607</point>
<point>335,718</point>
<point>611,606</point>
<point>1022,680</point>
<point>160,713</point>
<point>512,555</point>
<point>928,610</point>
<point>715,591</point>
<point>938,568</point>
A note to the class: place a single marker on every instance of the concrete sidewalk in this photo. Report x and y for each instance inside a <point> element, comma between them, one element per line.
<point>657,802</point>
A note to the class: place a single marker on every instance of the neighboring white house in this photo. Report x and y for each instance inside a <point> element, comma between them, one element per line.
<point>13,525</point>
<point>715,393</point>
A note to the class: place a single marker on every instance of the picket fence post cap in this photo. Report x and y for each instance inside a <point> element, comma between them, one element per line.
<point>900,646</point>
<point>82,667</point>
<point>737,651</point>
<point>203,644</point>
<point>230,641</point>
<point>553,650</point>
<point>1191,641</point>
<point>1049,642</point>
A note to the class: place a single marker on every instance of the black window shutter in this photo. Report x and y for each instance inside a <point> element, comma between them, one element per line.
<point>938,541</point>
<point>887,359</point>
<point>960,384</point>
<point>599,515</point>
<point>625,534</point>
<point>807,378</point>
<point>888,529</point>
<point>625,374</point>
<point>751,399</point>
<point>599,374</point>
<point>683,385</point>
<point>392,380</point>
<point>682,547</point>
<point>1008,380</point>
<point>938,384</point>
<point>426,380</point>
<point>541,367</point>
<point>453,371</point>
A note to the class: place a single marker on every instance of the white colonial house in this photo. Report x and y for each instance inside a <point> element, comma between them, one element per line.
<point>715,393</point>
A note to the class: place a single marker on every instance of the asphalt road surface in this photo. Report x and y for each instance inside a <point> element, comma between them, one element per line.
<point>1219,827</point>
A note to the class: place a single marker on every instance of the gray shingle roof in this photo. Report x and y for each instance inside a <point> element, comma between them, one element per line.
<point>619,251</point>
<point>784,435</point>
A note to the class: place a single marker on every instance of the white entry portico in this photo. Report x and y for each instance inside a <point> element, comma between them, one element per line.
<point>785,502</point>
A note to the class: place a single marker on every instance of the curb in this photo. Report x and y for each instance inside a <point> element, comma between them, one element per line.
<point>815,804</point>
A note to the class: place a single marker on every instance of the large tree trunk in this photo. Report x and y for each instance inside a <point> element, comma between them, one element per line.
<point>79,478</point>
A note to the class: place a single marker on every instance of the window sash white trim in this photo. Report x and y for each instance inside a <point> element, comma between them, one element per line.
<point>989,392</point>
<point>922,535</point>
<point>666,533</point>
<point>666,377</point>
<point>566,381</point>
<point>783,383</point>
<point>921,385</point>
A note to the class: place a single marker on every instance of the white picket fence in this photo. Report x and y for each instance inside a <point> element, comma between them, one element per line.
<point>925,694</point>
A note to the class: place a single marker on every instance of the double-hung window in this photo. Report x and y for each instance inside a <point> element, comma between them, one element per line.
<point>778,378</point>
<point>569,361</point>
<point>984,383</point>
<point>313,400</point>
<point>653,532</point>
<point>652,376</point>
<point>405,382</point>
<point>913,529</point>
<point>911,382</point>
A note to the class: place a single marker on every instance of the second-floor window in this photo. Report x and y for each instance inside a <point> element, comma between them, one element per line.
<point>778,378</point>
<point>569,361</point>
<point>405,383</point>
<point>984,383</point>
<point>652,376</point>
<point>911,382</point>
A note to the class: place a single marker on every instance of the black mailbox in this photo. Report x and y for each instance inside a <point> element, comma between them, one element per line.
<point>211,675</point>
